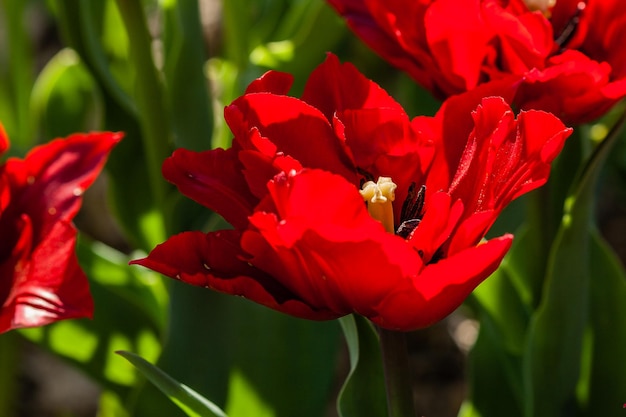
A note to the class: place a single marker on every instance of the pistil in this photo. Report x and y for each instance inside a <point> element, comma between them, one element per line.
<point>379,195</point>
<point>544,6</point>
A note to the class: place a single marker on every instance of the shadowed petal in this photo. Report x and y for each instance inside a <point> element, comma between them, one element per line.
<point>216,261</point>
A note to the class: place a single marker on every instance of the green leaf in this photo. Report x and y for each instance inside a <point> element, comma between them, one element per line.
<point>554,350</point>
<point>66,98</point>
<point>16,73</point>
<point>149,96</point>
<point>129,306</point>
<point>500,300</point>
<point>187,399</point>
<point>187,86</point>
<point>94,29</point>
<point>494,376</point>
<point>363,392</point>
<point>245,356</point>
<point>606,392</point>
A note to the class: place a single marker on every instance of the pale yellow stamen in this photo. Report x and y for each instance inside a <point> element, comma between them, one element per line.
<point>544,6</point>
<point>379,196</point>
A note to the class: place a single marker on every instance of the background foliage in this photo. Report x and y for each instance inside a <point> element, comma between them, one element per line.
<point>552,319</point>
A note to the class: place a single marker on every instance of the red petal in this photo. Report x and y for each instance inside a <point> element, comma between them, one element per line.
<point>48,284</point>
<point>333,87</point>
<point>213,179</point>
<point>274,82</point>
<point>440,218</point>
<point>48,184</point>
<point>216,261</point>
<point>296,129</point>
<point>331,253</point>
<point>441,287</point>
<point>457,37</point>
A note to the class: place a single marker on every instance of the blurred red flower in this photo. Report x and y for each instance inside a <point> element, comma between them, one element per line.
<point>40,280</point>
<point>565,59</point>
<point>305,243</point>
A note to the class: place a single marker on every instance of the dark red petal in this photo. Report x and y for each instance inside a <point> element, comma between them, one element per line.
<point>216,261</point>
<point>274,82</point>
<point>441,287</point>
<point>213,179</point>
<point>48,184</point>
<point>48,284</point>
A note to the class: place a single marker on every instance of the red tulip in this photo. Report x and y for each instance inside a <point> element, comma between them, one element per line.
<point>566,59</point>
<point>40,280</point>
<point>294,182</point>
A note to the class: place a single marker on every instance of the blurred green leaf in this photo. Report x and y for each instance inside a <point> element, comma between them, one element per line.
<point>188,91</point>
<point>242,355</point>
<point>129,306</point>
<point>66,98</point>
<point>499,300</point>
<point>149,95</point>
<point>187,399</point>
<point>94,29</point>
<point>363,392</point>
<point>545,213</point>
<point>494,376</point>
<point>552,363</point>
<point>555,340</point>
<point>17,73</point>
<point>607,380</point>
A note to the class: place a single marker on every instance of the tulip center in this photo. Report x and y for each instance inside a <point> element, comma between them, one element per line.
<point>543,6</point>
<point>379,195</point>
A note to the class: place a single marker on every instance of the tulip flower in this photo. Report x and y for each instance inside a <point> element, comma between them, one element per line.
<point>564,56</point>
<point>340,203</point>
<point>40,279</point>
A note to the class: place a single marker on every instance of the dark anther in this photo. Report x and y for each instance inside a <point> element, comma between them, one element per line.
<point>413,206</point>
<point>365,174</point>
<point>405,230</point>
<point>569,30</point>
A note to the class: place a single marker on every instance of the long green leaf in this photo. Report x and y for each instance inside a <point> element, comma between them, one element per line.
<point>85,26</point>
<point>607,380</point>
<point>243,355</point>
<point>495,380</point>
<point>363,392</point>
<point>187,87</point>
<point>187,399</point>
<point>20,73</point>
<point>552,362</point>
<point>134,323</point>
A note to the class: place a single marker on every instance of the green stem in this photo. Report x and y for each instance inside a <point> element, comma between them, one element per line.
<point>397,377</point>
<point>153,117</point>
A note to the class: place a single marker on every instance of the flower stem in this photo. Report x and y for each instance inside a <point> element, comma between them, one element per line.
<point>397,377</point>
<point>149,95</point>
